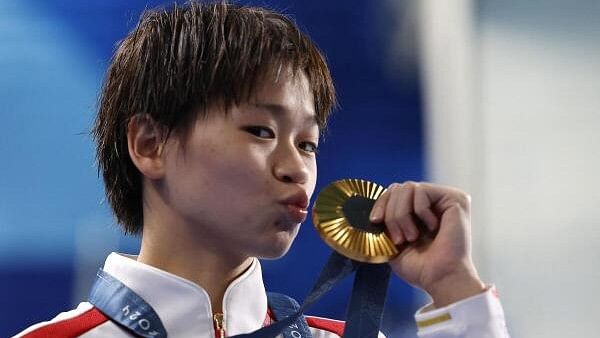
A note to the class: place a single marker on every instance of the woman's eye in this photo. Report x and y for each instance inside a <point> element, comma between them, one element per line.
<point>309,147</point>
<point>262,132</point>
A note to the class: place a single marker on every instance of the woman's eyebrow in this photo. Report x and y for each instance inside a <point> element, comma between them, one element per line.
<point>280,110</point>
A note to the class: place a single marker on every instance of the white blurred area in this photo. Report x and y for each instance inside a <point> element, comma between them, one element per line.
<point>512,93</point>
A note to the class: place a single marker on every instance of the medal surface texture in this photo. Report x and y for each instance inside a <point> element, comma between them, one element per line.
<point>341,216</point>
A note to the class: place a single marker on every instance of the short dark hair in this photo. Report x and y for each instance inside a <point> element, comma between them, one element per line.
<point>179,61</point>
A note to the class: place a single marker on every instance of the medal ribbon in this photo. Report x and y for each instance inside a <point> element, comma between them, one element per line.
<point>123,306</point>
<point>363,316</point>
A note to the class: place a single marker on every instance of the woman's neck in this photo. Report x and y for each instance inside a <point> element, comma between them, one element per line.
<point>211,269</point>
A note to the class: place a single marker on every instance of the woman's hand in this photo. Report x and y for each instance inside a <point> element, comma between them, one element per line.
<point>431,226</point>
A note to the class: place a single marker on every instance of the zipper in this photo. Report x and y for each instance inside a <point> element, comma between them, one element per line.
<point>219,325</point>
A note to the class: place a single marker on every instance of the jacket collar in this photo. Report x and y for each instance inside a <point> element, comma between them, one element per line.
<point>184,307</point>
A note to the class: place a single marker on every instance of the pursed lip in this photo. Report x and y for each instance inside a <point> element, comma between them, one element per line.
<point>296,206</point>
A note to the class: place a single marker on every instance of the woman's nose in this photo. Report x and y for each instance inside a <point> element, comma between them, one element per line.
<point>290,167</point>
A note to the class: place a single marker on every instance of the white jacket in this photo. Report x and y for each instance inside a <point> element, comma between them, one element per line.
<point>185,309</point>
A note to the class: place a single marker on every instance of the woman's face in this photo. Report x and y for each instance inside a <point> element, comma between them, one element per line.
<point>241,181</point>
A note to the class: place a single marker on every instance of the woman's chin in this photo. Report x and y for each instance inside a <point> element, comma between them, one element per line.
<point>278,247</point>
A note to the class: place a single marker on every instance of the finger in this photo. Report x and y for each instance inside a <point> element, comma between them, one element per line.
<point>410,229</point>
<point>393,227</point>
<point>403,212</point>
<point>378,210</point>
<point>397,238</point>
<point>422,209</point>
<point>398,212</point>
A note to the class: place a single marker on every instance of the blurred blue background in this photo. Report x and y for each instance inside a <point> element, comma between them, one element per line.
<point>56,229</point>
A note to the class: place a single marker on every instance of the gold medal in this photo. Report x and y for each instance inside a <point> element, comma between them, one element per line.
<point>341,216</point>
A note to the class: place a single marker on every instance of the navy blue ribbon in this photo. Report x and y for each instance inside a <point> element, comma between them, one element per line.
<point>283,306</point>
<point>363,316</point>
<point>125,307</point>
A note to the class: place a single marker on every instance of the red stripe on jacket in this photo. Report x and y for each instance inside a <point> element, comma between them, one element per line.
<point>330,325</point>
<point>70,328</point>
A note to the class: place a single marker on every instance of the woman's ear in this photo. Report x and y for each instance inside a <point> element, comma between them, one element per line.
<point>145,141</point>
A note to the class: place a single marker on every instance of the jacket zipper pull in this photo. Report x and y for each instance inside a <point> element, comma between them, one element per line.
<point>219,325</point>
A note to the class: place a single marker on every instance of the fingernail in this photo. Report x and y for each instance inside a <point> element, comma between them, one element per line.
<point>397,239</point>
<point>376,214</point>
